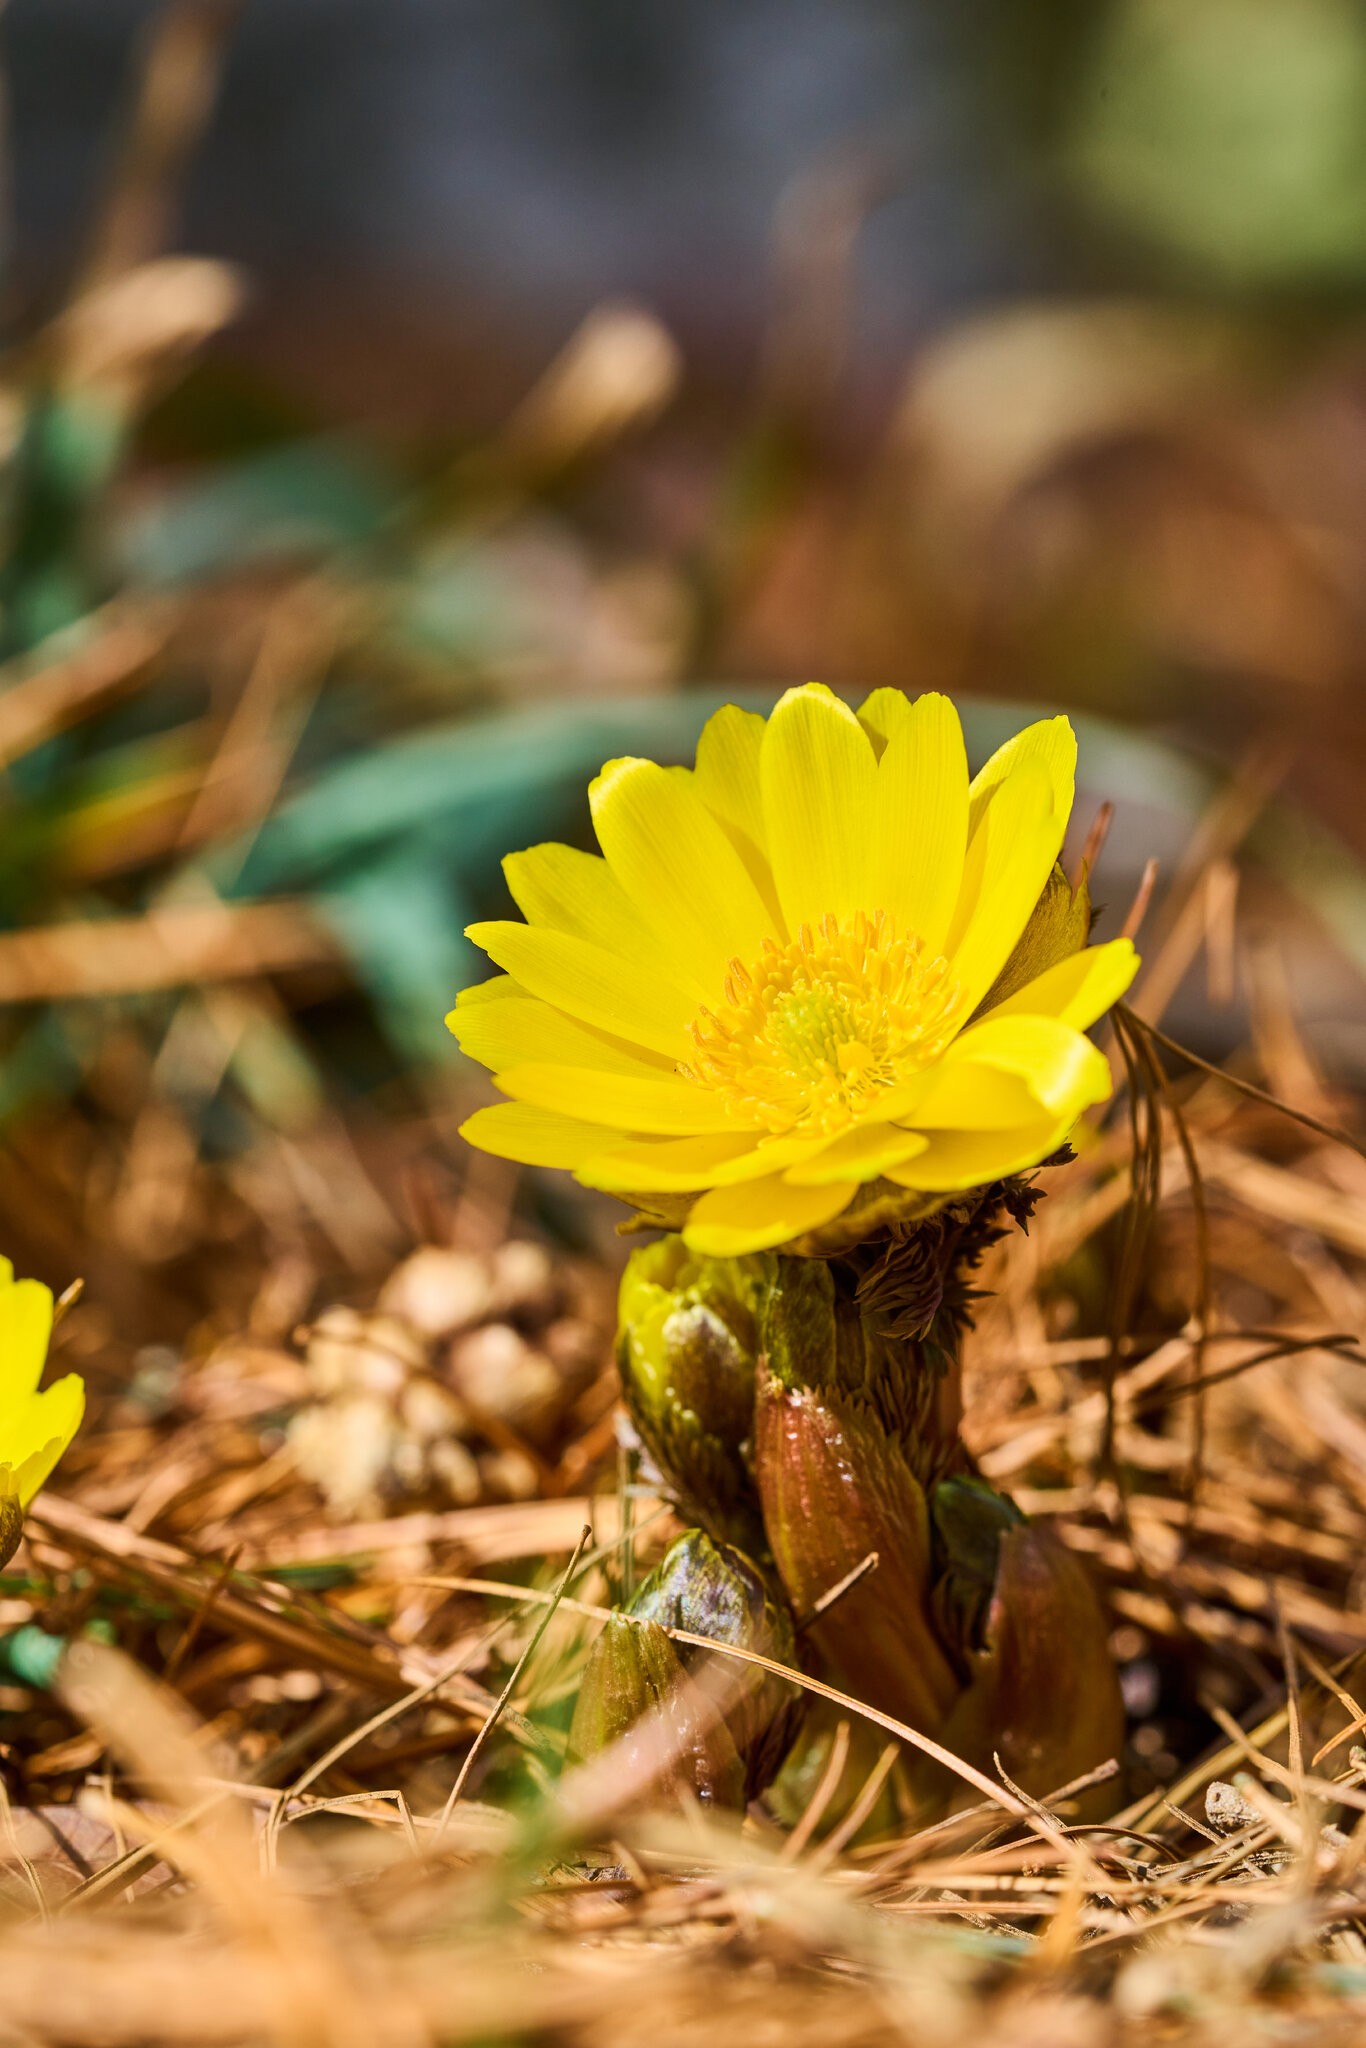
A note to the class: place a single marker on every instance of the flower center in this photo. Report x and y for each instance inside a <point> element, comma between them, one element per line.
<point>817,1030</point>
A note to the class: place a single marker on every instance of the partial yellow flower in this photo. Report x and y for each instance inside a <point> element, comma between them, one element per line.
<point>35,1428</point>
<point>819,959</point>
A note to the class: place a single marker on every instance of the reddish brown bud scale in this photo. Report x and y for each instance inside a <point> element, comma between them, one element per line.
<point>833,1487</point>
<point>1043,1695</point>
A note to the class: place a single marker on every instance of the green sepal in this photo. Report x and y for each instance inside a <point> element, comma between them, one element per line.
<point>712,1589</point>
<point>1059,926</point>
<point>879,1206</point>
<point>687,1346</point>
<point>655,1212</point>
<point>969,1519</point>
<point>634,1674</point>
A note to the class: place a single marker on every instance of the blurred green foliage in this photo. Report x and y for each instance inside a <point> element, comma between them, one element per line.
<point>1214,146</point>
<point>1232,132</point>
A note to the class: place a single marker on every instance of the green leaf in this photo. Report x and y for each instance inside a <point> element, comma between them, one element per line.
<point>306,499</point>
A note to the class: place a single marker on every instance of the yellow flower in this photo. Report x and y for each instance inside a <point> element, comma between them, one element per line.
<point>796,971</point>
<point>35,1428</point>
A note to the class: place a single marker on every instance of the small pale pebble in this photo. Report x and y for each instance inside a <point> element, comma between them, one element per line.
<point>524,1282</point>
<point>331,1343</point>
<point>346,1447</point>
<point>576,1348</point>
<point>430,1411</point>
<point>508,1475</point>
<point>454,1465</point>
<point>1227,1810</point>
<point>300,1686</point>
<point>374,1354</point>
<point>500,1375</point>
<point>439,1290</point>
<point>408,1466</point>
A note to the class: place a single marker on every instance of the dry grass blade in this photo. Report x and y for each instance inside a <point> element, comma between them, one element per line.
<point>326,1645</point>
<point>168,948</point>
<point>1243,1087</point>
<point>42,701</point>
<point>607,1784</point>
<point>313,1989</point>
<point>352,1740</point>
<point>182,56</point>
<point>500,1705</point>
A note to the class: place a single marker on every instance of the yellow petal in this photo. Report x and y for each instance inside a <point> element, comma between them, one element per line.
<point>918,830</point>
<point>1079,989</point>
<point>1063,1071</point>
<point>817,770</point>
<point>727,772</point>
<point>727,780</point>
<point>666,1166</point>
<point>882,713</point>
<point>499,988</point>
<point>1034,1071</point>
<point>860,1155</point>
<point>967,1096</point>
<point>632,1001</point>
<point>25,1328</point>
<point>531,1136</point>
<point>680,869</point>
<point>1010,853</point>
<point>727,1222</point>
<point>568,890</point>
<point>513,1029</point>
<point>678,1165</point>
<point>49,1424</point>
<point>1049,745</point>
<point>970,1159</point>
<point>662,1103</point>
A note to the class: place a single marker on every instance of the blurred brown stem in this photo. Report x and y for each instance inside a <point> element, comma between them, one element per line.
<point>181,59</point>
<point>58,694</point>
<point>166,949</point>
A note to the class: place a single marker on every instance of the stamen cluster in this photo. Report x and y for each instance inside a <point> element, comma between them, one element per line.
<point>817,1029</point>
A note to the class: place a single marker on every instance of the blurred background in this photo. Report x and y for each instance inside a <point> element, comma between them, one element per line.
<point>408,404</point>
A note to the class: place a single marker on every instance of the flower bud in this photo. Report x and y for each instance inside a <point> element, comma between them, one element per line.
<point>844,1432</point>
<point>635,1677</point>
<point>688,1341</point>
<point>712,1589</point>
<point>732,1722</point>
<point>1042,1692</point>
<point>835,1486</point>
